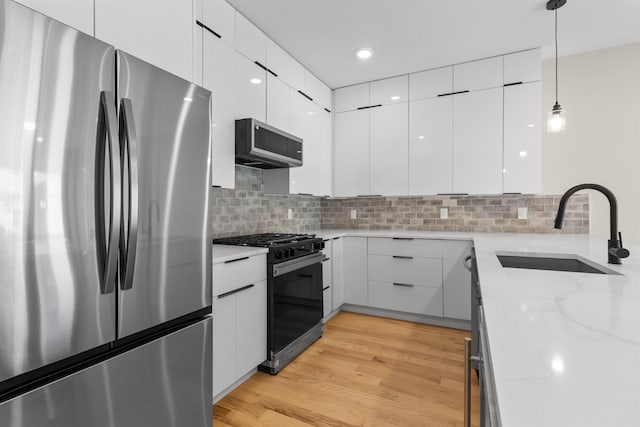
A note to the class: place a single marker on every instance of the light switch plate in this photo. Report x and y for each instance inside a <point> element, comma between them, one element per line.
<point>522,213</point>
<point>289,213</point>
<point>354,214</point>
<point>444,213</point>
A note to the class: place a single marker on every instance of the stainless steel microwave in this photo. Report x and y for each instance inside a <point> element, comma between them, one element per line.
<point>262,146</point>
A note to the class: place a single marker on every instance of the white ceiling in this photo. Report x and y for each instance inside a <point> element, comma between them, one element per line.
<point>414,35</point>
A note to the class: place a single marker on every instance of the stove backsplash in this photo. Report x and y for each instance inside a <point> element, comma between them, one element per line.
<point>498,214</point>
<point>247,210</point>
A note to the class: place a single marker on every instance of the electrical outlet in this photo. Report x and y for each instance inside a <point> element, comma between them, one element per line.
<point>289,213</point>
<point>522,213</point>
<point>444,213</point>
<point>354,214</point>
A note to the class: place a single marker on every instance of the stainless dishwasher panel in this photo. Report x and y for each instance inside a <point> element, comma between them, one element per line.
<point>164,383</point>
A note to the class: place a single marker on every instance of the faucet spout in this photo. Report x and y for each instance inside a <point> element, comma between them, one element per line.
<point>616,251</point>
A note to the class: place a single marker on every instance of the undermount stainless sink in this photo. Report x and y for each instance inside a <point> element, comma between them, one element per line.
<point>553,262</point>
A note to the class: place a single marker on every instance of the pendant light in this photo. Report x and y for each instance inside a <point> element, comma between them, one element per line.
<point>556,121</point>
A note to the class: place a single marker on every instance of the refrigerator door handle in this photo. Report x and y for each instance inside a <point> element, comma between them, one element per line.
<point>107,139</point>
<point>129,159</point>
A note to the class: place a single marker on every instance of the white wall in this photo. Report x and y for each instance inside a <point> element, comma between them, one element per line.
<point>600,92</point>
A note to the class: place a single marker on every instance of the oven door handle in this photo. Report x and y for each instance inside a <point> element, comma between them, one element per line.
<point>296,264</point>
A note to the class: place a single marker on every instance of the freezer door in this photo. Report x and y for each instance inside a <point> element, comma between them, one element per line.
<point>165,383</point>
<point>170,216</point>
<point>52,256</point>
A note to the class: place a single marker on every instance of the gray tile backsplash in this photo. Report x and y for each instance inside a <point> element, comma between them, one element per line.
<point>248,210</point>
<point>498,214</point>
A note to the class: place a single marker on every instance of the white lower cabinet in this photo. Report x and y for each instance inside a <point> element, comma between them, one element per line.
<point>406,298</point>
<point>355,270</point>
<point>239,320</point>
<point>337,271</point>
<point>456,280</point>
<point>405,270</point>
<point>327,278</point>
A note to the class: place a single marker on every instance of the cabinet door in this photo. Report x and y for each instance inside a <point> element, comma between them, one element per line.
<point>477,142</point>
<point>251,328</point>
<point>389,150</point>
<point>304,117</point>
<point>477,75</point>
<point>522,66</point>
<point>250,41</point>
<point>224,339</point>
<point>431,146</point>
<point>351,97</point>
<point>317,90</point>
<point>327,277</point>
<point>389,91</point>
<point>325,156</point>
<point>287,68</point>
<point>250,90</point>
<point>278,104</point>
<point>74,13</point>
<point>456,280</point>
<point>522,138</point>
<point>218,76</point>
<point>198,35</point>
<point>355,271</point>
<point>351,153</point>
<point>337,273</point>
<point>431,83</point>
<point>158,32</point>
<point>220,16</point>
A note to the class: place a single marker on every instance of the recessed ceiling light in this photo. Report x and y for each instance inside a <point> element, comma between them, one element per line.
<point>310,113</point>
<point>255,81</point>
<point>421,137</point>
<point>531,126</point>
<point>395,97</point>
<point>364,53</point>
<point>523,154</point>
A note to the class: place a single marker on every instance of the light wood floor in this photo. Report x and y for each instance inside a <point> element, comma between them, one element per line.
<point>364,371</point>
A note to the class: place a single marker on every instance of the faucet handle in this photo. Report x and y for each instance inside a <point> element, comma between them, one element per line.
<point>620,239</point>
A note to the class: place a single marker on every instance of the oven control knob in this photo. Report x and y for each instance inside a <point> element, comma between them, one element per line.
<point>279,255</point>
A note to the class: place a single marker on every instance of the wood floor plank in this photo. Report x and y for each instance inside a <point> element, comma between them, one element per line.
<point>364,371</point>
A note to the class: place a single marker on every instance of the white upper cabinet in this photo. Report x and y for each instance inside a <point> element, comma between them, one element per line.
<point>431,146</point>
<point>74,13</point>
<point>197,42</point>
<point>219,80</point>
<point>522,110</point>
<point>220,17</point>
<point>250,41</point>
<point>351,153</point>
<point>250,91</point>
<point>287,68</point>
<point>389,91</point>
<point>142,29</point>
<point>278,103</point>
<point>522,67</point>
<point>476,75</point>
<point>388,147</point>
<point>317,90</point>
<point>477,142</point>
<point>431,83</point>
<point>351,97</point>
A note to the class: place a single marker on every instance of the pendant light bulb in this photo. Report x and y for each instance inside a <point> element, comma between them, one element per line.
<point>556,120</point>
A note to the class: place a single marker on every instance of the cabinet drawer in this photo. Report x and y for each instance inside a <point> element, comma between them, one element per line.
<point>407,270</point>
<point>405,247</point>
<point>416,299</point>
<point>233,274</point>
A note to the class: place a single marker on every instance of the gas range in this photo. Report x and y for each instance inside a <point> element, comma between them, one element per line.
<point>282,246</point>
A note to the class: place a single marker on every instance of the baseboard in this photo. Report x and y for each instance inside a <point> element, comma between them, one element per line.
<point>233,386</point>
<point>330,315</point>
<point>410,317</point>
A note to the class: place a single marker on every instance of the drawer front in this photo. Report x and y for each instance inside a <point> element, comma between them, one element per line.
<point>229,276</point>
<point>416,299</point>
<point>405,247</point>
<point>407,270</point>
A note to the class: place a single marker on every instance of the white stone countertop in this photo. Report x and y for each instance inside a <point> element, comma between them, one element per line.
<point>565,346</point>
<point>222,253</point>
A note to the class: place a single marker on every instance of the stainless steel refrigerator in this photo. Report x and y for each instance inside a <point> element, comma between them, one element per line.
<point>105,271</point>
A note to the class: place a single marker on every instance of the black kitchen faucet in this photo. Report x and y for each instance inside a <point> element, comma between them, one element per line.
<point>616,252</point>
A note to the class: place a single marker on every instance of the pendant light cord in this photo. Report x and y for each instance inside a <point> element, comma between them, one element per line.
<point>556,33</point>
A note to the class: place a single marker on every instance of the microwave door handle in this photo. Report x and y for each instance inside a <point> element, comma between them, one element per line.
<point>107,139</point>
<point>129,158</point>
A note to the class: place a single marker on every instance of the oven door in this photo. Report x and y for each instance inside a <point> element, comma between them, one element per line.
<point>295,299</point>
